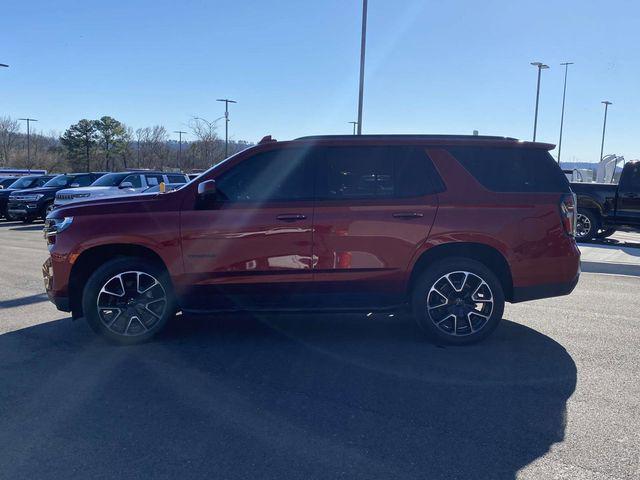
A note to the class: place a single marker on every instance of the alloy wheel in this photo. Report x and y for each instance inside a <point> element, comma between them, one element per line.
<point>131,303</point>
<point>460,303</point>
<point>583,225</point>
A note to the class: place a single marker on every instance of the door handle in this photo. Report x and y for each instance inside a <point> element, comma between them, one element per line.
<point>631,195</point>
<point>293,217</point>
<point>407,215</point>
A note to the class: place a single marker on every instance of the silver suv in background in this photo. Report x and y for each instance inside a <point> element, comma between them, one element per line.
<point>116,184</point>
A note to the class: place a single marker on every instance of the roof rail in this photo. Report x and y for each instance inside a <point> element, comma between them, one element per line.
<point>409,137</point>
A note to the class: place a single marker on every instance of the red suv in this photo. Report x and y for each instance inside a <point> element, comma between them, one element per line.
<point>450,226</point>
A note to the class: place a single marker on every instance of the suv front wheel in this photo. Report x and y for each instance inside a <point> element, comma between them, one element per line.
<point>128,300</point>
<point>458,301</point>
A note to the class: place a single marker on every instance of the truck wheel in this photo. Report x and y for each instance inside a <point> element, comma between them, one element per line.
<point>605,233</point>
<point>458,301</point>
<point>586,225</point>
<point>128,300</point>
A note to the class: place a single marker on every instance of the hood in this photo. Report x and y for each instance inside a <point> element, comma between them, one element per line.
<point>93,191</point>
<point>152,202</point>
<point>32,191</point>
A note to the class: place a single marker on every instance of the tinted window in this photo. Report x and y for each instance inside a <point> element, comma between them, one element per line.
<point>153,180</point>
<point>375,172</point>
<point>82,180</point>
<point>109,180</point>
<point>631,178</point>
<point>176,178</point>
<point>135,181</point>
<point>277,175</point>
<point>512,169</point>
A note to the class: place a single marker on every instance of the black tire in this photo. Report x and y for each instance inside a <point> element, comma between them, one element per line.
<point>465,322</point>
<point>607,232</point>
<point>587,225</point>
<point>134,322</point>
<point>27,219</point>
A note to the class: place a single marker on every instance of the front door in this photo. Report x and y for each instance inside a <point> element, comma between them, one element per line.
<point>252,245</point>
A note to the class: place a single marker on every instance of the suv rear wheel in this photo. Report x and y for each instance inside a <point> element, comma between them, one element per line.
<point>128,300</point>
<point>458,301</point>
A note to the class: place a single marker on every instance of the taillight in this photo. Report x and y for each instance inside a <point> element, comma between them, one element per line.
<point>568,211</point>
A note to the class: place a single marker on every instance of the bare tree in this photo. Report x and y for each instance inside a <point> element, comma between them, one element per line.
<point>208,149</point>
<point>9,129</point>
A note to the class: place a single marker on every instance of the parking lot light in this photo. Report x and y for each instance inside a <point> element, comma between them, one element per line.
<point>540,67</point>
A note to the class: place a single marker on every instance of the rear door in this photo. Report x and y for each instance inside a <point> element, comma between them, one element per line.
<point>252,244</point>
<point>374,206</point>
<point>628,207</point>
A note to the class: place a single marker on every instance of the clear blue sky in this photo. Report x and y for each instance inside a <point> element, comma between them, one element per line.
<point>432,66</point>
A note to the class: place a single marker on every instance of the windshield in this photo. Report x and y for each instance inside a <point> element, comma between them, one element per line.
<point>110,180</point>
<point>60,181</point>
<point>24,182</point>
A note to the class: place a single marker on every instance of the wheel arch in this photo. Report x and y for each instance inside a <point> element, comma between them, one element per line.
<point>480,252</point>
<point>92,258</point>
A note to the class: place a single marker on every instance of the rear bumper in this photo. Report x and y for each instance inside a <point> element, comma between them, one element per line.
<point>535,292</point>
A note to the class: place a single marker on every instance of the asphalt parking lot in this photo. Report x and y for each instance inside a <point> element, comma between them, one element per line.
<point>554,393</point>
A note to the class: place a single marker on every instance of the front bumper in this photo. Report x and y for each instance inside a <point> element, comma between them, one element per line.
<point>23,209</point>
<point>61,302</point>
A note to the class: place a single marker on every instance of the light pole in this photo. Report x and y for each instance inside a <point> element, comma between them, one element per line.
<point>28,120</point>
<point>180,132</point>
<point>564,94</point>
<point>354,126</point>
<point>604,125</point>
<point>226,123</point>
<point>540,66</point>
<point>363,45</point>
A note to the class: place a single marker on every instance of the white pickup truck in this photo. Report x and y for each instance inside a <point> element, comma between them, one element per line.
<point>116,184</point>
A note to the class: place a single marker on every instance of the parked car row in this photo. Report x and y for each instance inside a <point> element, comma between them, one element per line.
<point>32,197</point>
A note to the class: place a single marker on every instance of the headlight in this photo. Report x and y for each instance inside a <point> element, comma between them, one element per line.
<point>27,198</point>
<point>53,226</point>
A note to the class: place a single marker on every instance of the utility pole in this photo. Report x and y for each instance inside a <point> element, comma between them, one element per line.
<point>354,126</point>
<point>363,45</point>
<point>28,120</point>
<point>180,132</point>
<point>604,125</point>
<point>540,67</point>
<point>564,94</point>
<point>226,123</point>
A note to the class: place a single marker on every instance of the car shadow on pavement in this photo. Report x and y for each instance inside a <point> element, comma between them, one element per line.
<point>28,228</point>
<point>298,396</point>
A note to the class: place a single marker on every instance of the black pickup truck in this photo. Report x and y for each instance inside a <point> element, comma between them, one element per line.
<point>604,208</point>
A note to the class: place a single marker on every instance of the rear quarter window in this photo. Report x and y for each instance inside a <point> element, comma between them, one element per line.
<point>513,169</point>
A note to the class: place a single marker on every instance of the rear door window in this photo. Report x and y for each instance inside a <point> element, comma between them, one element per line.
<point>513,169</point>
<point>371,172</point>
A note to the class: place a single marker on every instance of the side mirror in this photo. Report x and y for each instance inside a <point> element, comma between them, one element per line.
<point>126,185</point>
<point>207,189</point>
<point>74,185</point>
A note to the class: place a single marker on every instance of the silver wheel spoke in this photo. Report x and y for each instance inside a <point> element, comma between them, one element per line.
<point>131,300</point>
<point>471,305</point>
